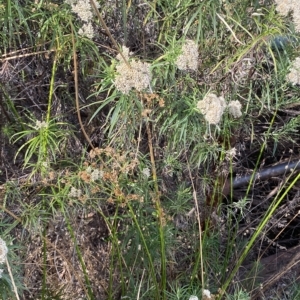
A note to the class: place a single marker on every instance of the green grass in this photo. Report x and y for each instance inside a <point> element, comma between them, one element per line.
<point>107,195</point>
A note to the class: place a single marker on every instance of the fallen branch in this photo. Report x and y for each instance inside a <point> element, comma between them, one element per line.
<point>280,169</point>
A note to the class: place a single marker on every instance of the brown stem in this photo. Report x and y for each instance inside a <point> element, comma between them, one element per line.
<point>108,32</point>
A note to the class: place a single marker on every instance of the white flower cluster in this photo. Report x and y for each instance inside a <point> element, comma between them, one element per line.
<point>3,251</point>
<point>95,173</point>
<point>146,172</point>
<point>234,108</point>
<point>206,294</point>
<point>285,6</point>
<point>75,193</point>
<point>188,59</point>
<point>39,125</point>
<point>131,74</point>
<point>86,30</point>
<point>213,107</point>
<point>3,254</point>
<point>125,53</point>
<point>294,75</point>
<point>84,11</point>
<point>230,154</point>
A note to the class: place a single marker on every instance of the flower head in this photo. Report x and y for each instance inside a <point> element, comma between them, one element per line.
<point>212,107</point>
<point>206,295</point>
<point>87,30</point>
<point>96,174</point>
<point>294,75</point>
<point>296,19</point>
<point>286,6</point>
<point>131,74</point>
<point>234,108</point>
<point>125,53</point>
<point>3,251</point>
<point>230,154</point>
<point>83,9</point>
<point>39,125</point>
<point>146,172</point>
<point>75,193</point>
<point>188,59</point>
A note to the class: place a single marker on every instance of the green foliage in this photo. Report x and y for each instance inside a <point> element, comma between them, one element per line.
<point>147,165</point>
<point>239,295</point>
<point>12,277</point>
<point>43,140</point>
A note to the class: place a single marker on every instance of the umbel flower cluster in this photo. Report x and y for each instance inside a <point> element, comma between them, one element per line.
<point>40,125</point>
<point>213,107</point>
<point>131,73</point>
<point>294,75</point>
<point>83,9</point>
<point>286,6</point>
<point>3,254</point>
<point>188,59</point>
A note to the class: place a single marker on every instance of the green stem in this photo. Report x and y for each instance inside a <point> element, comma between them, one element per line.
<point>258,231</point>
<point>159,210</point>
<point>90,295</point>
<point>265,219</point>
<point>146,249</point>
<point>51,91</point>
<point>45,134</point>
